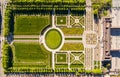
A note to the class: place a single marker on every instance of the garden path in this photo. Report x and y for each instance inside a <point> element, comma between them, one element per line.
<point>71,36</point>
<point>26,41</point>
<point>26,36</point>
<point>89,27</point>
<point>2,8</point>
<point>73,41</point>
<point>53,19</point>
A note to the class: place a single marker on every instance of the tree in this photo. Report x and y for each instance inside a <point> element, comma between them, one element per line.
<point>97,71</point>
<point>108,66</point>
<point>6,61</point>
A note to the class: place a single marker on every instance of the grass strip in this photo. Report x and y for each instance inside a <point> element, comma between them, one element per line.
<point>73,38</point>
<point>73,46</point>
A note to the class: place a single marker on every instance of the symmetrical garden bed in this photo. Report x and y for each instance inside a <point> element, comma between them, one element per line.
<point>73,46</point>
<point>30,24</point>
<point>73,31</point>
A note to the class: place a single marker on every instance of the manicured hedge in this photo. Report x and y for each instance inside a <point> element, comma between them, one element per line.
<point>48,1</point>
<point>7,56</point>
<point>97,71</point>
<point>7,21</point>
<point>29,70</point>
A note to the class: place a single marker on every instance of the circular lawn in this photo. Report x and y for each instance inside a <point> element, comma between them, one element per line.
<point>53,39</point>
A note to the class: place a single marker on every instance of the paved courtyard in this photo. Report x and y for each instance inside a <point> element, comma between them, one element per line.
<point>91,39</point>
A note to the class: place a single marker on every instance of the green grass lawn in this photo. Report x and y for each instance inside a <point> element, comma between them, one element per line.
<point>59,66</point>
<point>31,52</point>
<point>61,57</point>
<point>73,46</point>
<point>72,31</point>
<point>61,20</point>
<point>30,25</point>
<point>73,38</point>
<point>53,39</point>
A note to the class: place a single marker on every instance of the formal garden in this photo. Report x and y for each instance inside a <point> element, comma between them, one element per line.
<point>31,30</point>
<point>27,50</point>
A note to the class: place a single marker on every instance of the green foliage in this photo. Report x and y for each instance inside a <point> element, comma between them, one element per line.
<point>101,1</point>
<point>88,71</point>
<point>7,56</point>
<point>105,12</point>
<point>50,1</point>
<point>97,64</point>
<point>99,5</point>
<point>28,70</point>
<point>59,66</point>
<point>81,70</point>
<point>97,71</point>
<point>108,66</point>
<point>62,70</point>
<point>7,22</point>
<point>77,66</point>
<point>95,12</point>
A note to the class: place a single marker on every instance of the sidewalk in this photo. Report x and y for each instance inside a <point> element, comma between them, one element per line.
<point>1,69</point>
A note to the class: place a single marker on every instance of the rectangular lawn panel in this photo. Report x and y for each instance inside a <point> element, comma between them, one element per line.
<point>61,57</point>
<point>31,53</point>
<point>30,24</point>
<point>72,31</point>
<point>73,46</point>
<point>61,20</point>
